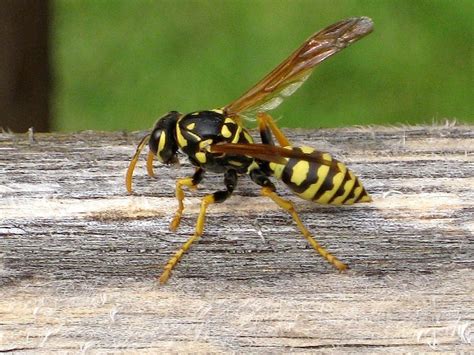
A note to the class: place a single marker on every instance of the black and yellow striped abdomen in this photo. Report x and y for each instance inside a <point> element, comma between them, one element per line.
<point>330,183</point>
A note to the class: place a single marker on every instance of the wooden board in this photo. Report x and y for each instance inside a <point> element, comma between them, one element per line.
<point>79,257</point>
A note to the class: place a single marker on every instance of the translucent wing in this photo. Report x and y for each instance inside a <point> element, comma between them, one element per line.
<point>272,153</point>
<point>286,78</point>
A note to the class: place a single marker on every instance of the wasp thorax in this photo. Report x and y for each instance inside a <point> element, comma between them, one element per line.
<point>162,139</point>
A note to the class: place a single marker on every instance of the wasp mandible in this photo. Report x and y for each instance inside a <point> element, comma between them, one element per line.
<point>217,141</point>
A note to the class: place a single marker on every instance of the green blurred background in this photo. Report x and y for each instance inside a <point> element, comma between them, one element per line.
<point>121,64</point>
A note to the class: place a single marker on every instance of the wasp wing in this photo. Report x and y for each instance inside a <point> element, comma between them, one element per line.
<point>272,153</point>
<point>286,78</point>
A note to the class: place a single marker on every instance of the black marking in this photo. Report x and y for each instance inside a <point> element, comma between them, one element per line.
<point>233,129</point>
<point>340,191</point>
<point>230,181</point>
<point>287,175</point>
<point>266,136</point>
<point>208,124</point>
<point>351,194</point>
<point>312,176</point>
<point>362,193</point>
<point>198,175</point>
<point>242,138</point>
<point>327,185</point>
<point>260,178</point>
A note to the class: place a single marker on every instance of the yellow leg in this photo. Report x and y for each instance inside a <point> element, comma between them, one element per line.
<point>206,201</point>
<point>266,121</point>
<point>190,182</point>
<point>288,206</point>
<point>230,181</point>
<point>180,197</point>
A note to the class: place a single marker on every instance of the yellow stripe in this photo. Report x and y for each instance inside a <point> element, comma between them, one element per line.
<point>347,189</point>
<point>226,132</point>
<point>309,193</point>
<point>357,193</point>
<point>309,150</point>
<point>252,166</point>
<point>181,140</point>
<point>205,143</point>
<point>277,169</point>
<point>248,137</point>
<point>161,143</point>
<point>235,163</point>
<point>201,157</point>
<point>300,172</point>
<point>237,135</point>
<point>322,173</point>
<point>337,181</point>
<point>195,136</point>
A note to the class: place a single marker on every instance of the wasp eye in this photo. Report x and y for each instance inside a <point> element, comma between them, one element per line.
<point>154,140</point>
<point>162,141</point>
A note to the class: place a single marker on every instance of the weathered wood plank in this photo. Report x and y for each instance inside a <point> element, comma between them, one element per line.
<point>79,256</point>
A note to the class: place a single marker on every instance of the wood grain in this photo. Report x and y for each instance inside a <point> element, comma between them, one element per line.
<point>79,257</point>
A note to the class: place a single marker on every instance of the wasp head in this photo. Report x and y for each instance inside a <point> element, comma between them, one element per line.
<point>162,144</point>
<point>162,138</point>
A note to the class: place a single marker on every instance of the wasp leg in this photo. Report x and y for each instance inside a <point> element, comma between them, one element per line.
<point>190,182</point>
<point>288,206</point>
<point>230,181</point>
<point>267,124</point>
<point>268,190</point>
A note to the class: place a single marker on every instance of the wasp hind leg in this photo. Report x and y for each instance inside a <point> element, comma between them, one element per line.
<point>268,190</point>
<point>288,206</point>
<point>266,126</point>
<point>230,181</point>
<point>190,182</point>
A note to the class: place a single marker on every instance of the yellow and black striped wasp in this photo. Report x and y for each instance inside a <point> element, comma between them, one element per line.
<point>216,141</point>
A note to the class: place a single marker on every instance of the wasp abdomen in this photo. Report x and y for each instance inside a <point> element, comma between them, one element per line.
<point>328,183</point>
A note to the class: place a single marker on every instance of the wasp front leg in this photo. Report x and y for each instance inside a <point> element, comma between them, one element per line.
<point>230,181</point>
<point>190,182</point>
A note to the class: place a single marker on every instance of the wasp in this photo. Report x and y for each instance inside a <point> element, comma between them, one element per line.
<point>217,141</point>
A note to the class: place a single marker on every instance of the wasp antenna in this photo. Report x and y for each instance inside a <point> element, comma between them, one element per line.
<point>149,163</point>
<point>133,162</point>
